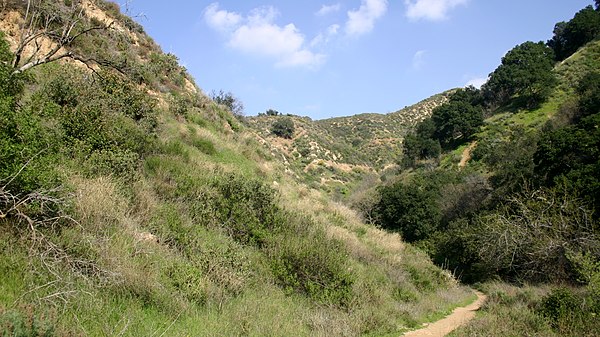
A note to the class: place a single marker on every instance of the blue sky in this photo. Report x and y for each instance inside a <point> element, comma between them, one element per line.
<point>326,58</point>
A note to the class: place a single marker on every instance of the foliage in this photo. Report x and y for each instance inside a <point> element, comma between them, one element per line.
<point>17,324</point>
<point>588,90</point>
<point>313,265</point>
<point>532,236</point>
<point>508,153</point>
<point>229,100</point>
<point>524,75</point>
<point>570,36</point>
<point>410,210</point>
<point>455,122</point>
<point>450,125</point>
<point>272,112</point>
<point>569,156</point>
<point>22,137</point>
<point>570,312</point>
<point>283,127</point>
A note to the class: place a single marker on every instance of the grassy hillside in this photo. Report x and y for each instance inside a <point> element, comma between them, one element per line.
<point>336,154</point>
<point>132,204</point>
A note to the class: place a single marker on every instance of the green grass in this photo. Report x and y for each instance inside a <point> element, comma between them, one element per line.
<point>173,227</point>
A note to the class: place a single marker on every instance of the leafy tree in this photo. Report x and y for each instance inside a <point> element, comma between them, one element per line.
<point>229,100</point>
<point>525,75</point>
<point>408,209</point>
<point>272,112</point>
<point>571,157</point>
<point>589,94</point>
<point>421,145</point>
<point>558,43</point>
<point>455,122</point>
<point>570,36</point>
<point>283,127</point>
<point>509,155</point>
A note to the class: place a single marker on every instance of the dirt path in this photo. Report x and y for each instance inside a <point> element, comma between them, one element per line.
<point>460,316</point>
<point>466,155</point>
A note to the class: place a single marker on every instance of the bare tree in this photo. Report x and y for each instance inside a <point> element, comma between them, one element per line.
<point>57,21</point>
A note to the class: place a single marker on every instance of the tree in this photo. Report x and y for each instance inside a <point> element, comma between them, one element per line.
<point>525,76</point>
<point>408,209</point>
<point>272,112</point>
<point>570,36</point>
<point>283,127</point>
<point>589,94</point>
<point>229,100</point>
<point>570,157</point>
<point>455,122</point>
<point>62,22</point>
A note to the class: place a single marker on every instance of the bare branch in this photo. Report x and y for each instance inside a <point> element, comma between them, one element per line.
<point>63,36</point>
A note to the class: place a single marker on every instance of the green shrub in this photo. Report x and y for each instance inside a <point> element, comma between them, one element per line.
<point>283,127</point>
<point>571,313</point>
<point>246,208</point>
<point>18,324</point>
<point>313,265</point>
<point>408,209</point>
<point>188,281</point>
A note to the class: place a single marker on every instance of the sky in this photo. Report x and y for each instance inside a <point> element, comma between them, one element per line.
<point>329,58</point>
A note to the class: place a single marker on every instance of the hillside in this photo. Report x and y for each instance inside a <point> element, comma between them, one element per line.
<point>133,204</point>
<point>335,154</point>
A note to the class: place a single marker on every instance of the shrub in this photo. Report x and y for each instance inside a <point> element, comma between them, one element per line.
<point>229,100</point>
<point>408,209</point>
<point>13,323</point>
<point>313,265</point>
<point>570,313</point>
<point>538,231</point>
<point>283,127</point>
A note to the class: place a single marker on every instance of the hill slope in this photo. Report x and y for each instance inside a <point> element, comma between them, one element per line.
<point>335,154</point>
<point>132,204</point>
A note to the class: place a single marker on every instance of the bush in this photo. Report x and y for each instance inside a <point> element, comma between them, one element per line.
<point>229,100</point>
<point>313,265</point>
<point>17,324</point>
<point>408,209</point>
<point>571,313</point>
<point>283,127</point>
<point>539,230</point>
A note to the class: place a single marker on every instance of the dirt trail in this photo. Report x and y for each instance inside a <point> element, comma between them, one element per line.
<point>460,316</point>
<point>466,155</point>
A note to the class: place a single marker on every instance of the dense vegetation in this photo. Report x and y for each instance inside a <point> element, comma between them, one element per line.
<point>133,204</point>
<point>523,203</point>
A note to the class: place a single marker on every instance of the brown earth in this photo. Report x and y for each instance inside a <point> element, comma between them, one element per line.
<point>459,317</point>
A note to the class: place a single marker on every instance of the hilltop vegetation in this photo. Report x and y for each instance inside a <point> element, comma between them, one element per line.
<point>133,204</point>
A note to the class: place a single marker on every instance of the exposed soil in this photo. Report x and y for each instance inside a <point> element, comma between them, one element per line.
<point>459,317</point>
<point>466,155</point>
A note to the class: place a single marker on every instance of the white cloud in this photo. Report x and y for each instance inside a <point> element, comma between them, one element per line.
<point>324,38</point>
<point>477,82</point>
<point>328,9</point>
<point>434,10</point>
<point>257,34</point>
<point>418,60</point>
<point>362,20</point>
<point>221,20</point>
